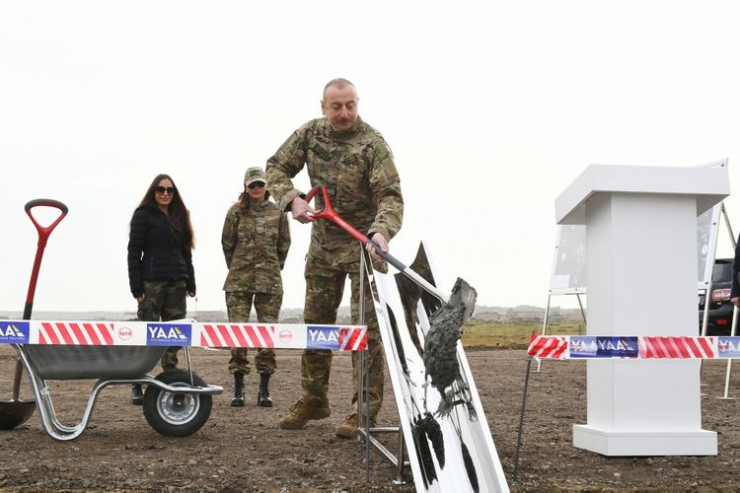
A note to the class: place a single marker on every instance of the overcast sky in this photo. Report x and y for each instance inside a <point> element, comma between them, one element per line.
<point>491,108</point>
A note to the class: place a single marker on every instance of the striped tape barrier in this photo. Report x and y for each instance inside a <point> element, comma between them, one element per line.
<point>185,333</point>
<point>634,347</point>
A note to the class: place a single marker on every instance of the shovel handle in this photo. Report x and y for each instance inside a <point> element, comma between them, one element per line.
<point>44,232</point>
<point>329,213</point>
<point>17,376</point>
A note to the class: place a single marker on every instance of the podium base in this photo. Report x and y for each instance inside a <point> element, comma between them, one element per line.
<point>638,443</point>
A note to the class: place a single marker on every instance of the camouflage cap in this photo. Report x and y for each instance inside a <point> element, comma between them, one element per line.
<point>254,174</point>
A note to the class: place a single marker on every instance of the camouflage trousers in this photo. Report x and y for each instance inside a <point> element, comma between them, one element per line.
<point>164,300</point>
<point>324,290</point>
<point>239,306</point>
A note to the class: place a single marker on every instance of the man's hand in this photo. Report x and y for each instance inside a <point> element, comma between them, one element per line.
<point>379,240</point>
<point>736,301</point>
<point>302,211</point>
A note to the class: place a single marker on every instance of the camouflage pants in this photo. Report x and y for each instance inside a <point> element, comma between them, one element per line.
<point>164,300</point>
<point>239,306</point>
<point>324,289</point>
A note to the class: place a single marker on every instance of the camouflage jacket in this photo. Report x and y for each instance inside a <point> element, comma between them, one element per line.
<point>255,247</point>
<point>358,170</point>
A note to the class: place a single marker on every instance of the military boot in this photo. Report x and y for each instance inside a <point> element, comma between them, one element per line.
<point>349,428</point>
<point>137,396</point>
<point>302,412</point>
<point>263,396</point>
<point>238,400</point>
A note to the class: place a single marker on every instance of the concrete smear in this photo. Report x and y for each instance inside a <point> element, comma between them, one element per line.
<point>440,345</point>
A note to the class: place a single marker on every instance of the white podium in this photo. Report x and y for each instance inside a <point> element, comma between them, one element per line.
<point>642,270</point>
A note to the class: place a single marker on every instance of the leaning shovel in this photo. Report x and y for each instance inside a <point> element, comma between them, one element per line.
<point>329,213</point>
<point>440,358</point>
<point>16,412</point>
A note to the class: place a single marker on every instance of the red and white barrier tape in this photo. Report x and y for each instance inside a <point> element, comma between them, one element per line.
<point>634,347</point>
<point>185,333</point>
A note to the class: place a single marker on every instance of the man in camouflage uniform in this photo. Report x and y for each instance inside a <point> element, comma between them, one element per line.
<point>255,241</point>
<point>353,161</point>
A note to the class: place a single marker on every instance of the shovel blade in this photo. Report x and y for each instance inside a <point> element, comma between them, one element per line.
<point>465,295</point>
<point>15,413</point>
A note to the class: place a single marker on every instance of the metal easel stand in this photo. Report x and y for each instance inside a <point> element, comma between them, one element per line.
<point>712,245</point>
<point>363,395</point>
<point>545,319</point>
<point>733,332</point>
<point>707,300</point>
<point>521,419</point>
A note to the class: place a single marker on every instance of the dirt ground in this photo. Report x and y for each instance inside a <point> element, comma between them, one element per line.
<point>242,449</point>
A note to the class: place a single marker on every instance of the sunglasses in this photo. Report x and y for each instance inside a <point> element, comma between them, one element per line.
<point>165,190</point>
<point>256,184</point>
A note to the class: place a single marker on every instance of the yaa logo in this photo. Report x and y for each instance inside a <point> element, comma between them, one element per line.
<point>603,347</point>
<point>322,337</point>
<point>583,347</point>
<point>14,332</point>
<point>168,334</point>
<point>728,347</point>
<point>617,347</point>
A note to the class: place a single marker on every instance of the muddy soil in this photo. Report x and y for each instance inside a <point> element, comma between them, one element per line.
<point>242,449</point>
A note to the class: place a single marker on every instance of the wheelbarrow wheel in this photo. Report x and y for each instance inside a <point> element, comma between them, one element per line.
<point>173,413</point>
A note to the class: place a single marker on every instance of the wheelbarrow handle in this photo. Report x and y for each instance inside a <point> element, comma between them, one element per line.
<point>329,213</point>
<point>43,232</point>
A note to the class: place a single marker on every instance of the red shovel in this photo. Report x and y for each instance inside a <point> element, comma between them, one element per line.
<point>467,293</point>
<point>16,412</point>
<point>440,343</point>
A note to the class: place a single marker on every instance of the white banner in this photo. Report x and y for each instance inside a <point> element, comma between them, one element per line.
<point>184,333</point>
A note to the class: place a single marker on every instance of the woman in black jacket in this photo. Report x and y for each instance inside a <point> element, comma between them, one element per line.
<point>160,265</point>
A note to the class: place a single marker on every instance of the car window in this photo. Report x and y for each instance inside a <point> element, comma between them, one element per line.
<point>722,273</point>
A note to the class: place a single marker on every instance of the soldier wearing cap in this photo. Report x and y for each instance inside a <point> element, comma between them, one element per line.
<point>355,163</point>
<point>255,241</point>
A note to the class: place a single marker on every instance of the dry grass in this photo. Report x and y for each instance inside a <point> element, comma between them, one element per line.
<point>507,335</point>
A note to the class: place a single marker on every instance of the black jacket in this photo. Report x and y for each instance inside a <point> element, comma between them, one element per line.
<point>158,250</point>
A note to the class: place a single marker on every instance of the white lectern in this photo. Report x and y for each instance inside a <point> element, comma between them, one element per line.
<point>642,270</point>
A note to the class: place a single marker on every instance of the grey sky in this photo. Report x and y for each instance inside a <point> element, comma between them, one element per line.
<point>491,109</point>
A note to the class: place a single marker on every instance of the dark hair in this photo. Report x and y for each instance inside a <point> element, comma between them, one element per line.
<point>179,214</point>
<point>244,200</point>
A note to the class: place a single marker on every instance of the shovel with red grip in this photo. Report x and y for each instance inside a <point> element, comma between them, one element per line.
<point>330,214</point>
<point>16,412</point>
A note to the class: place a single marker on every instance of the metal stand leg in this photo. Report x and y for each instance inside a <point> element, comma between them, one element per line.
<point>401,462</point>
<point>733,332</point>
<point>521,420</point>
<point>545,320</point>
<point>365,431</point>
<point>363,375</point>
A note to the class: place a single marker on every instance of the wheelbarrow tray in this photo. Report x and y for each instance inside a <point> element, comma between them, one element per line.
<point>93,362</point>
